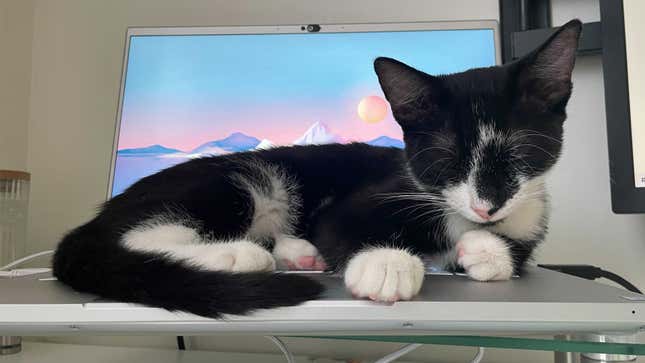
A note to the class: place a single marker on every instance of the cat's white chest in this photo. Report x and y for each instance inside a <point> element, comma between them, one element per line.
<point>456,226</point>
<point>526,222</point>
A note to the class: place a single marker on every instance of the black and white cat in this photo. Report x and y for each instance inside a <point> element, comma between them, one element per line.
<point>204,236</point>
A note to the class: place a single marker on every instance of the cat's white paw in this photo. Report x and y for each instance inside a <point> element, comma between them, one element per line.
<point>293,253</point>
<point>384,274</point>
<point>238,256</point>
<point>484,256</point>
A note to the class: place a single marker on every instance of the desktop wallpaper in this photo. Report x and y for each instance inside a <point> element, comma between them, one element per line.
<point>198,95</point>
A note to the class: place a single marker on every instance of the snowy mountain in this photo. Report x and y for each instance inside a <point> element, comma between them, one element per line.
<point>151,150</point>
<point>318,133</point>
<point>386,141</point>
<point>234,142</point>
<point>265,144</point>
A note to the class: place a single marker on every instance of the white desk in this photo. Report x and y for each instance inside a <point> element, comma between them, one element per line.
<point>541,301</point>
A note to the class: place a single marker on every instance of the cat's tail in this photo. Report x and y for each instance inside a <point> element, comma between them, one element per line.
<point>92,262</point>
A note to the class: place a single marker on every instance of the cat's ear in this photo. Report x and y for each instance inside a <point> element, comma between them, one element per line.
<point>412,94</point>
<point>544,79</point>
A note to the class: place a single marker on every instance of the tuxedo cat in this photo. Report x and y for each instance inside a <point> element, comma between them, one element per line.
<point>468,189</point>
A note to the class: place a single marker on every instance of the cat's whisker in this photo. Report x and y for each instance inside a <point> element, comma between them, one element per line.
<point>520,134</point>
<point>433,134</point>
<point>451,152</point>
<point>423,215</point>
<point>411,197</point>
<point>422,203</point>
<point>535,195</point>
<point>431,165</point>
<point>524,163</point>
<point>442,215</point>
<point>417,202</point>
<point>441,173</point>
<point>415,207</point>
<point>409,193</point>
<point>533,146</point>
<point>419,216</point>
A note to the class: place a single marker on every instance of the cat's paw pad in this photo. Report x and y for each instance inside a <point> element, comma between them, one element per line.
<point>239,256</point>
<point>484,256</point>
<point>384,274</point>
<point>297,254</point>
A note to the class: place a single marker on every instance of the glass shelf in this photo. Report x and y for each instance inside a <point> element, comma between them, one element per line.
<point>556,345</point>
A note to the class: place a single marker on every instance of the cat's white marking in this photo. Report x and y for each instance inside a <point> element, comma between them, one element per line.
<point>271,209</point>
<point>524,213</point>
<point>460,197</point>
<point>455,225</point>
<point>276,202</point>
<point>182,243</point>
<point>488,135</point>
<point>296,252</point>
<point>384,274</point>
<point>463,196</point>
<point>521,215</point>
<point>242,256</point>
<point>484,256</point>
<point>156,234</point>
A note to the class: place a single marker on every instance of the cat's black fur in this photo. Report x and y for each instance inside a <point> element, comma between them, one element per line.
<point>341,197</point>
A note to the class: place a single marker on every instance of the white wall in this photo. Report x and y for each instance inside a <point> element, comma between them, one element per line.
<point>77,50</point>
<point>16,31</point>
<point>583,229</point>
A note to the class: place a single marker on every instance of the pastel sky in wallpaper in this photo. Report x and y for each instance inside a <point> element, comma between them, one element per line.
<point>187,94</point>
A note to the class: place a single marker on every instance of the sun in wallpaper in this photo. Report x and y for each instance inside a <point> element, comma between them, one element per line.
<point>372,109</point>
<point>193,96</point>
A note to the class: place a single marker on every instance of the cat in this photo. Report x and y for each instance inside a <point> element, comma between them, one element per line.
<point>469,188</point>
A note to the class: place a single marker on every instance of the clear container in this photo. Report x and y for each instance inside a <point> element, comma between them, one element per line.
<point>14,197</point>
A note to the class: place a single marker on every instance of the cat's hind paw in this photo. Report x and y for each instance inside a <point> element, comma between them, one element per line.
<point>293,253</point>
<point>384,274</point>
<point>236,256</point>
<point>484,256</point>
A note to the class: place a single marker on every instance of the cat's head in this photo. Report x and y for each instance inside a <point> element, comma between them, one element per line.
<point>483,139</point>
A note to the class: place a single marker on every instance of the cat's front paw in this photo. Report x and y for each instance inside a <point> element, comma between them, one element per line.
<point>484,256</point>
<point>384,274</point>
<point>297,254</point>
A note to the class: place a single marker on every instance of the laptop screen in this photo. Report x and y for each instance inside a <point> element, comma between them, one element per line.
<point>194,95</point>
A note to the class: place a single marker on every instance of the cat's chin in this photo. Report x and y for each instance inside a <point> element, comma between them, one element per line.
<point>482,222</point>
<point>472,217</point>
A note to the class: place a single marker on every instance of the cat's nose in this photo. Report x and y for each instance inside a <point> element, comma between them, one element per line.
<point>482,212</point>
